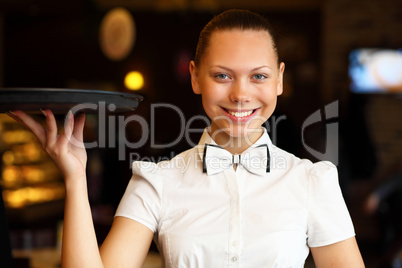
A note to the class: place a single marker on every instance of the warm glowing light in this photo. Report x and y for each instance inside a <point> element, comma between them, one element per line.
<point>32,195</point>
<point>17,136</point>
<point>8,158</point>
<point>134,80</point>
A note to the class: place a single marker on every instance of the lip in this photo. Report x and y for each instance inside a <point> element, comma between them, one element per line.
<point>240,119</point>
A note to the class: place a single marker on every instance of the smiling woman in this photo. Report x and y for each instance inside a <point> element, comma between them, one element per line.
<point>239,201</point>
<point>239,81</point>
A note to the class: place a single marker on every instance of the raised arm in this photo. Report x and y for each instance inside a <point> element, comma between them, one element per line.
<point>128,241</point>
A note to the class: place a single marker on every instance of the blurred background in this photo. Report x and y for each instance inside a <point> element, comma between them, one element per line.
<point>347,53</point>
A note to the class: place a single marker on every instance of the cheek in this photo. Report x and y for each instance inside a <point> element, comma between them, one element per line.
<point>209,101</point>
<point>265,93</point>
<point>270,105</point>
<point>270,97</point>
<point>212,94</point>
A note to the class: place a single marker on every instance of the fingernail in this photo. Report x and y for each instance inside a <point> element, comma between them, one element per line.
<point>11,112</point>
<point>43,112</point>
<point>70,114</point>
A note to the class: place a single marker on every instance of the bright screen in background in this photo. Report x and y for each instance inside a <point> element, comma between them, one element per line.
<point>375,70</point>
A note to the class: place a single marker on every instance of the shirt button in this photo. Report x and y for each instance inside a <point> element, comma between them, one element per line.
<point>234,259</point>
<point>234,243</point>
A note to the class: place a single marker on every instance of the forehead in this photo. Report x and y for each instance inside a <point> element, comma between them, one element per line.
<point>241,45</point>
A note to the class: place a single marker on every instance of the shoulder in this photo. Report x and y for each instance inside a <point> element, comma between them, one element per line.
<point>166,168</point>
<point>285,160</point>
<point>303,173</point>
<point>329,220</point>
<point>324,174</point>
<point>323,185</point>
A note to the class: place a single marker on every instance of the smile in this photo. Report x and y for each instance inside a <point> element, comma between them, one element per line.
<point>239,114</point>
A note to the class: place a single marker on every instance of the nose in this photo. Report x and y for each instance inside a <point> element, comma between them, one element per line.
<point>239,93</point>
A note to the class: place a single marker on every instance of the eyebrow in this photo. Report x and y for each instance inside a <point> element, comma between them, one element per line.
<point>254,69</point>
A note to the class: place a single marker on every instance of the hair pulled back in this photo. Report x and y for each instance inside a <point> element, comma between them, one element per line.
<point>230,20</point>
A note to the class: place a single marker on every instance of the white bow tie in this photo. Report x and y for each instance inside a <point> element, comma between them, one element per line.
<point>217,159</point>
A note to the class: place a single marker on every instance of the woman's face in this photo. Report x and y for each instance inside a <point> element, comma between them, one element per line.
<point>239,80</point>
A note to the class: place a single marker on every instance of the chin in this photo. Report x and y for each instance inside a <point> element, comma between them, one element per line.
<point>243,131</point>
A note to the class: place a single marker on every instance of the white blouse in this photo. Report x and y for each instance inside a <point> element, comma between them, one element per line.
<point>236,218</point>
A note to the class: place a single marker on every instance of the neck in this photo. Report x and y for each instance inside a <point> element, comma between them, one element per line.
<point>235,144</point>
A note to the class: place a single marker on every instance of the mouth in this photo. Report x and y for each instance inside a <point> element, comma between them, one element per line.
<point>240,113</point>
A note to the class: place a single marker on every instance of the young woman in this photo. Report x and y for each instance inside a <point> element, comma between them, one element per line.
<point>239,201</point>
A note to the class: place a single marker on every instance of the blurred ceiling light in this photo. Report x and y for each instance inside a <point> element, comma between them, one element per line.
<point>134,80</point>
<point>117,34</point>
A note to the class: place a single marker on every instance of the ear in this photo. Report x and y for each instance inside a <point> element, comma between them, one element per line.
<point>279,87</point>
<point>194,78</point>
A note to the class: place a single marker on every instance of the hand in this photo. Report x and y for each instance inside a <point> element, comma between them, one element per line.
<point>67,150</point>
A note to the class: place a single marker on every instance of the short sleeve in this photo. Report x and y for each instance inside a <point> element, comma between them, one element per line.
<point>142,199</point>
<point>328,219</point>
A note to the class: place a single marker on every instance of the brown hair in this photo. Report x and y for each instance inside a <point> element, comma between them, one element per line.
<point>233,19</point>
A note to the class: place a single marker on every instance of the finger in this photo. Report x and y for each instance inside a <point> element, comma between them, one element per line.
<point>13,115</point>
<point>51,127</point>
<point>29,123</point>
<point>79,124</point>
<point>65,137</point>
<point>69,125</point>
<point>77,138</point>
<point>16,116</point>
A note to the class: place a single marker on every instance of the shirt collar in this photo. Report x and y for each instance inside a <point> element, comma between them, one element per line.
<point>207,139</point>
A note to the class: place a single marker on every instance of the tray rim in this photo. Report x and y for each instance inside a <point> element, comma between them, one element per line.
<point>128,101</point>
<point>69,90</point>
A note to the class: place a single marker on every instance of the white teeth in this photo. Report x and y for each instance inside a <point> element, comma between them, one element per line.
<point>240,114</point>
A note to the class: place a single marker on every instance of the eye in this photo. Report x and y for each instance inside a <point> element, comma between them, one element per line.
<point>259,76</point>
<point>222,76</point>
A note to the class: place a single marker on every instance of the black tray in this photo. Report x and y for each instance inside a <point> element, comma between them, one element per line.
<point>60,101</point>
